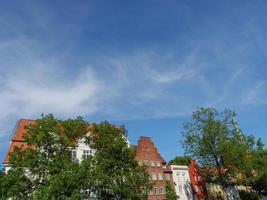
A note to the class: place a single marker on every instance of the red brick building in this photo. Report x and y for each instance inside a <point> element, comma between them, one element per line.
<point>198,184</point>
<point>159,173</point>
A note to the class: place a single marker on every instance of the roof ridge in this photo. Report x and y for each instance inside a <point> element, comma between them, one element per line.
<point>26,119</point>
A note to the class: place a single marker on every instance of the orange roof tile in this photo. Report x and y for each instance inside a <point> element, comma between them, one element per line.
<point>20,129</point>
<point>22,145</point>
<point>17,137</point>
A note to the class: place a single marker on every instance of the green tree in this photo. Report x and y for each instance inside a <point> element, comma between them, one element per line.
<point>47,171</point>
<point>117,175</point>
<point>256,171</point>
<point>180,160</point>
<point>14,184</point>
<point>170,192</point>
<point>216,142</point>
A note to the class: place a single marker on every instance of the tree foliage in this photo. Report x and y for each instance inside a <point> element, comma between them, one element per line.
<point>170,192</point>
<point>180,160</point>
<point>46,169</point>
<point>256,171</point>
<point>118,176</point>
<point>215,141</point>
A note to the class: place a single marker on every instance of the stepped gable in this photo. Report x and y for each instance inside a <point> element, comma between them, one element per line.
<point>147,151</point>
<point>147,154</point>
<point>17,139</point>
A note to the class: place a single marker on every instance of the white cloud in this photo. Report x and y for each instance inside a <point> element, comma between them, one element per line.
<point>181,73</point>
<point>22,94</point>
<point>141,85</point>
<point>257,95</point>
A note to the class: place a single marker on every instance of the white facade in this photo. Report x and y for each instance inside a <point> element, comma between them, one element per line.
<point>182,182</point>
<point>81,150</point>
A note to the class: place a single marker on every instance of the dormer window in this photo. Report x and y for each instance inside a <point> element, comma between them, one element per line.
<point>87,153</point>
<point>73,154</point>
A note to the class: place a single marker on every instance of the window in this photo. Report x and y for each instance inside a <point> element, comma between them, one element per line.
<point>183,175</point>
<point>178,176</point>
<point>158,164</point>
<point>146,162</point>
<point>143,190</point>
<point>154,177</point>
<point>161,190</point>
<point>152,164</point>
<point>196,188</point>
<point>156,191</point>
<point>180,189</point>
<point>150,192</point>
<point>87,153</point>
<point>167,177</point>
<point>73,154</point>
<point>87,192</point>
<point>160,176</point>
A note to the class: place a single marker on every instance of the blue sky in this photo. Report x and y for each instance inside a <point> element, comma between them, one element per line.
<point>145,64</point>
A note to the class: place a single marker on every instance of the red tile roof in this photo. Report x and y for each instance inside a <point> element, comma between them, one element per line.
<point>17,137</point>
<point>20,129</point>
<point>22,145</point>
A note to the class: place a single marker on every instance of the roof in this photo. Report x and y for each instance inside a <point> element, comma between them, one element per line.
<point>179,167</point>
<point>20,129</point>
<point>167,170</point>
<point>22,145</point>
<point>146,150</point>
<point>17,139</point>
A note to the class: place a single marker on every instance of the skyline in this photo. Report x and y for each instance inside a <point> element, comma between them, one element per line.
<point>145,64</point>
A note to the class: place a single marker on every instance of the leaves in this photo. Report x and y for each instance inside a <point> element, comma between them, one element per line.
<point>180,160</point>
<point>216,142</point>
<point>46,170</point>
<point>118,176</point>
<point>170,192</point>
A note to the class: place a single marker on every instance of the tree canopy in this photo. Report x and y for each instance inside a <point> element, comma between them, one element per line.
<point>46,170</point>
<point>117,175</point>
<point>170,192</point>
<point>216,142</point>
<point>180,160</point>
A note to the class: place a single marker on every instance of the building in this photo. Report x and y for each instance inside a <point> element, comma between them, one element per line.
<point>182,182</point>
<point>159,173</point>
<point>198,184</point>
<point>17,140</point>
<point>81,150</point>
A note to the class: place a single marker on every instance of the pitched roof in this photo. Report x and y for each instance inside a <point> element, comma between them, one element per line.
<point>22,145</point>
<point>20,129</point>
<point>17,137</point>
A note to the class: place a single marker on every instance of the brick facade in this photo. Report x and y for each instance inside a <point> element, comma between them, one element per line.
<point>147,154</point>
<point>198,184</point>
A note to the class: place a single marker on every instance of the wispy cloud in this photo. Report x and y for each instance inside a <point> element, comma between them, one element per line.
<point>181,73</point>
<point>257,95</point>
<point>49,68</point>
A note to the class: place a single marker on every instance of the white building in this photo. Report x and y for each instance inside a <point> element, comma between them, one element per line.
<point>82,150</point>
<point>182,182</point>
